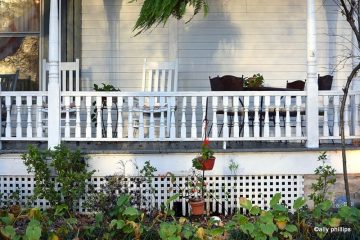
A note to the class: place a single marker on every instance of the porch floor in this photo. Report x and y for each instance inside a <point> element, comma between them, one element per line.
<point>177,147</point>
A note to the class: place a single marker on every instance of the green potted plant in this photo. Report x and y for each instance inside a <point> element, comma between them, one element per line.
<point>206,160</point>
<point>256,81</point>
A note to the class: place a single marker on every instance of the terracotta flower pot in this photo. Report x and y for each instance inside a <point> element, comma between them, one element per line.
<point>197,206</point>
<point>207,164</point>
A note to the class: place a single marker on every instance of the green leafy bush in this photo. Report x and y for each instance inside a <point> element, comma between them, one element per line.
<point>59,167</point>
<point>326,179</point>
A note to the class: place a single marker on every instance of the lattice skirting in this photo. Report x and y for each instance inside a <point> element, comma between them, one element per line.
<point>225,191</point>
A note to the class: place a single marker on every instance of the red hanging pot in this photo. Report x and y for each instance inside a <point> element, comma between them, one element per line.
<point>206,164</point>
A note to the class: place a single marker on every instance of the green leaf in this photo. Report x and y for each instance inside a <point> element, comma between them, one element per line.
<point>275,199</point>
<point>345,212</point>
<point>299,202</point>
<point>8,232</point>
<point>273,238</point>
<point>168,230</point>
<point>245,203</point>
<point>266,217</point>
<point>130,211</point>
<point>122,200</point>
<point>99,217</point>
<point>33,230</point>
<point>282,218</point>
<point>172,198</point>
<point>187,231</point>
<point>255,210</point>
<point>280,208</point>
<point>215,232</point>
<point>61,209</point>
<point>118,223</point>
<point>291,228</point>
<point>240,219</point>
<point>6,220</point>
<point>325,205</point>
<point>268,228</point>
<point>247,228</point>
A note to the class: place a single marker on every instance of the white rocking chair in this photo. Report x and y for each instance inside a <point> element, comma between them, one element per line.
<point>157,77</point>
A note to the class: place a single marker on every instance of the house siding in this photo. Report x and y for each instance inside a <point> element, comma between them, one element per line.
<point>237,37</point>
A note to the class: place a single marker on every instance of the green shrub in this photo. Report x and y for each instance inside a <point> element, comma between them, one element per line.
<point>326,178</point>
<point>60,174</point>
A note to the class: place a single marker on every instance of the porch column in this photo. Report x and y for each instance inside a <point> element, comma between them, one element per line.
<point>312,104</point>
<point>355,52</point>
<point>355,87</point>
<point>54,85</point>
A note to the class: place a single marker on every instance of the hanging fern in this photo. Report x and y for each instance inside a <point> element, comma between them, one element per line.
<point>155,12</point>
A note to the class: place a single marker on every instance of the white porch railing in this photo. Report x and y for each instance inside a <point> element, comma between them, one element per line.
<point>178,116</point>
<point>329,112</point>
<point>21,116</point>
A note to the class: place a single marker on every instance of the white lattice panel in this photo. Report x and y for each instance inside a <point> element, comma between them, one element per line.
<point>225,191</point>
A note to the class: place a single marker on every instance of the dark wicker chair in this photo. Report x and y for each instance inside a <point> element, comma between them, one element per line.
<point>227,83</point>
<point>298,84</point>
<point>325,82</point>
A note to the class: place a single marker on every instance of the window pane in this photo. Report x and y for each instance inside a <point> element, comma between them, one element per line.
<point>19,16</point>
<point>22,54</point>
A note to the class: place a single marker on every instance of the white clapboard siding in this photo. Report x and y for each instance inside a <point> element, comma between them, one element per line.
<point>236,37</point>
<point>110,52</point>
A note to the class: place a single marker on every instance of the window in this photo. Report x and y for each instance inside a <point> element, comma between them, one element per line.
<point>19,41</point>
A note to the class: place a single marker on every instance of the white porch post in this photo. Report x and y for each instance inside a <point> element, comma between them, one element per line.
<point>312,104</point>
<point>356,53</point>
<point>54,85</point>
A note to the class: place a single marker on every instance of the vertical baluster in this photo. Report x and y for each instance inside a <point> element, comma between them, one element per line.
<point>152,120</point>
<point>39,129</point>
<point>8,116</point>
<point>246,117</point>
<point>346,118</point>
<point>162,120</point>
<point>226,123</point>
<point>287,116</point>
<point>88,116</point>
<point>109,119</point>
<point>173,120</point>
<point>67,116</point>
<point>203,106</point>
<point>326,120</point>
<point>77,121</point>
<point>18,117</point>
<point>266,120</point>
<point>98,117</point>
<point>130,118</point>
<point>336,116</point>
<point>120,119</point>
<point>236,116</point>
<point>63,81</point>
<point>214,125</point>
<point>356,115</point>
<point>256,117</point>
<point>141,118</point>
<point>183,118</point>
<point>193,117</point>
<point>298,116</point>
<point>277,117</point>
<point>29,122</point>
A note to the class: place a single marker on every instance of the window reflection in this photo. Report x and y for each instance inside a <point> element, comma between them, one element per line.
<point>19,41</point>
<point>19,16</point>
